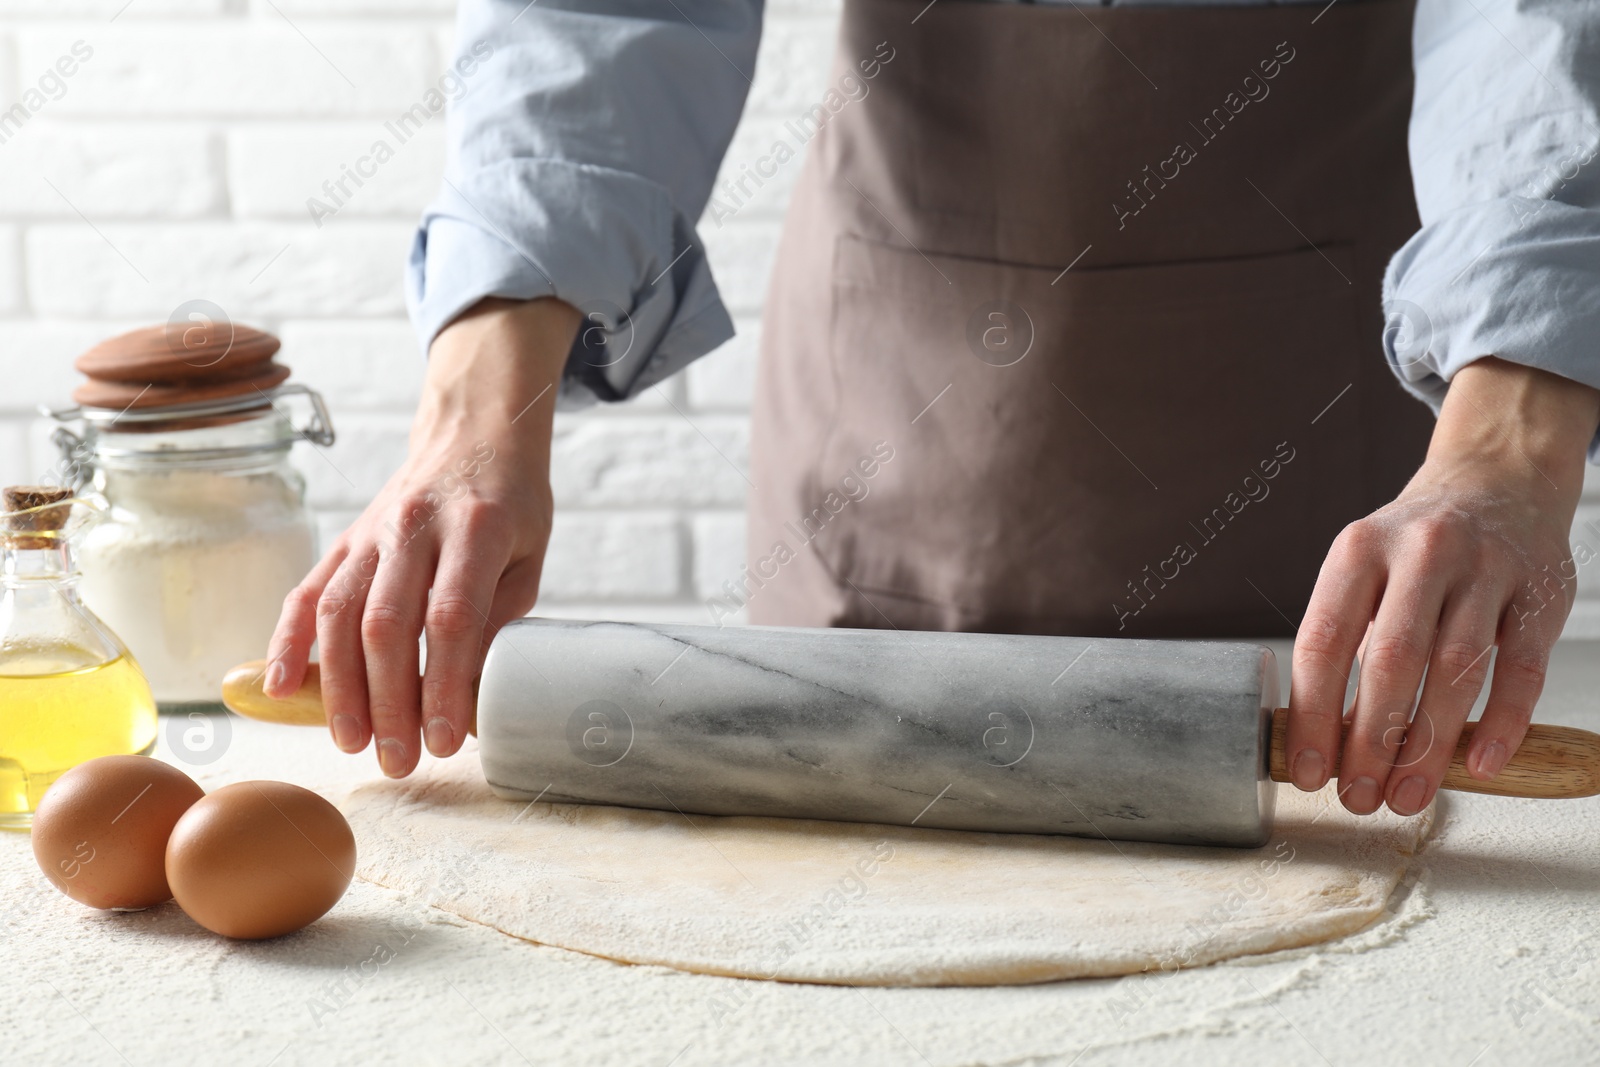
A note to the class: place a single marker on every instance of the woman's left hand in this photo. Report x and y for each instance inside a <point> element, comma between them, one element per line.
<point>1472,555</point>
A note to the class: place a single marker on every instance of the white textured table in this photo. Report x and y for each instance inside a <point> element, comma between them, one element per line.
<point>1489,957</point>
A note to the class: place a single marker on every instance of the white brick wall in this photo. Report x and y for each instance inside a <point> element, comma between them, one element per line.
<point>273,169</point>
<point>100,10</point>
<point>151,170</point>
<point>10,271</point>
<point>370,365</point>
<point>36,360</point>
<point>231,68</point>
<point>177,164</point>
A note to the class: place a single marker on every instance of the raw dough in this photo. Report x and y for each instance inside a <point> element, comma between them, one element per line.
<point>865,904</point>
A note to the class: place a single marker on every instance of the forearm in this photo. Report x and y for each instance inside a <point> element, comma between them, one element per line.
<point>1507,423</point>
<point>493,373</point>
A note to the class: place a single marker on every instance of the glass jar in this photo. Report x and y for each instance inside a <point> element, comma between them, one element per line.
<point>206,531</point>
<point>69,691</point>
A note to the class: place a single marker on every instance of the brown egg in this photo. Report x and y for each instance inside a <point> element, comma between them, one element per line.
<point>100,834</point>
<point>259,859</point>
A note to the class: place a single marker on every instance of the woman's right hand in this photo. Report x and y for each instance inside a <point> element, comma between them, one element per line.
<point>452,546</point>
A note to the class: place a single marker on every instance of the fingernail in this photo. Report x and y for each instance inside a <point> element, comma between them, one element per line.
<point>1362,795</point>
<point>277,674</point>
<point>392,757</point>
<point>1308,769</point>
<point>1408,796</point>
<point>1492,759</point>
<point>346,733</point>
<point>439,736</point>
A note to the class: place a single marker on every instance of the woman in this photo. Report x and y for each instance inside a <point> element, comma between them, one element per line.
<point>1084,304</point>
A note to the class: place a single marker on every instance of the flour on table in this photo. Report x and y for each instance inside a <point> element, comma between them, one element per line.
<point>809,901</point>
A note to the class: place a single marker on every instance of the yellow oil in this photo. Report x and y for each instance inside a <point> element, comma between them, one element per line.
<point>58,709</point>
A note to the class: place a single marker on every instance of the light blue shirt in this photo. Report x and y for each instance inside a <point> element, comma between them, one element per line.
<point>587,135</point>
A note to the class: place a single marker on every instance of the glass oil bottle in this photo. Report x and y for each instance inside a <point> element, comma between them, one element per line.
<point>69,690</point>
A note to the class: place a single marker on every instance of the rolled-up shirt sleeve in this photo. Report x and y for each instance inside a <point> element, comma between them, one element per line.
<point>1505,130</point>
<point>581,151</point>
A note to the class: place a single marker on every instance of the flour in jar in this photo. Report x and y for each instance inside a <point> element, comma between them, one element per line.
<point>191,567</point>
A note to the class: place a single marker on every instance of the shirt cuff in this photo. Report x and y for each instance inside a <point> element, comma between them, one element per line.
<point>610,243</point>
<point>1516,278</point>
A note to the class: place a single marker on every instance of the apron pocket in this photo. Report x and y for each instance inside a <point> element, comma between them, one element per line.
<point>1101,451</point>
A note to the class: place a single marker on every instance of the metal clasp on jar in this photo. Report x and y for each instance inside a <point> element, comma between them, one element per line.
<point>77,453</point>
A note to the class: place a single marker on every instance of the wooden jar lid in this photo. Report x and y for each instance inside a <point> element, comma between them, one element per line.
<point>160,366</point>
<point>95,393</point>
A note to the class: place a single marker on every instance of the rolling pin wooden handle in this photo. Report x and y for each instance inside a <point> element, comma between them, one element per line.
<point>242,693</point>
<point>1552,763</point>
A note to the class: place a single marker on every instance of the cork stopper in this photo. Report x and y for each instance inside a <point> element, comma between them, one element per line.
<point>45,521</point>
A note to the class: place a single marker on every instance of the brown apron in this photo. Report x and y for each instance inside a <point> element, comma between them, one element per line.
<point>1075,322</point>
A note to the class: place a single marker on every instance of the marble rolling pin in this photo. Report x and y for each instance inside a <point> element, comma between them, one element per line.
<point>1136,740</point>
